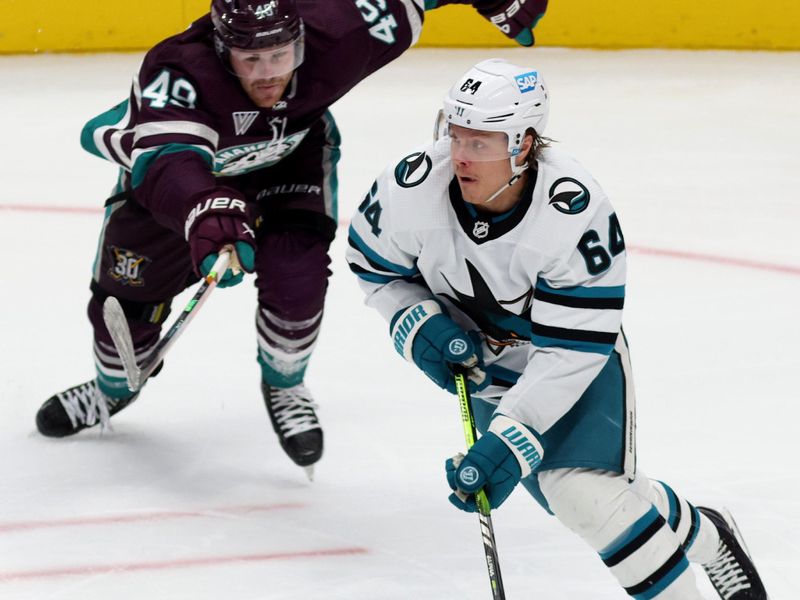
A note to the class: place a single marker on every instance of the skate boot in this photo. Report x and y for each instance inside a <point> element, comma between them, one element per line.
<point>291,411</point>
<point>77,408</point>
<point>732,573</point>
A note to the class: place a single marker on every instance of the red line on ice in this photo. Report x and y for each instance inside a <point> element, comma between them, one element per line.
<point>185,563</point>
<point>51,208</point>
<point>679,254</point>
<point>721,260</point>
<point>11,526</point>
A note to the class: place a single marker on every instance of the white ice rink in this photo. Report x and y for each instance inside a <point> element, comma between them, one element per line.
<point>191,498</point>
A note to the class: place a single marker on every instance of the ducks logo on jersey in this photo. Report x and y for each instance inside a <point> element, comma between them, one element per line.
<point>569,196</point>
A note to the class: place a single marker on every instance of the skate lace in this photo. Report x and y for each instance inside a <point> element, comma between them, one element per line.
<point>726,574</point>
<point>85,405</point>
<point>293,409</point>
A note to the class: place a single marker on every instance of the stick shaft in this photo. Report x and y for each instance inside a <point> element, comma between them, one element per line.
<point>190,310</point>
<point>118,327</point>
<point>484,509</point>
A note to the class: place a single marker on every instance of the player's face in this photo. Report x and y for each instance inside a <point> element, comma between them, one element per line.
<point>480,161</point>
<point>264,74</point>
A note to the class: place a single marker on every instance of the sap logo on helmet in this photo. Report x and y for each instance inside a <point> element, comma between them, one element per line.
<point>266,10</point>
<point>527,81</point>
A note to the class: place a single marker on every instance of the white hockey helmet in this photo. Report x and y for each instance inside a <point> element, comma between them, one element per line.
<point>496,95</point>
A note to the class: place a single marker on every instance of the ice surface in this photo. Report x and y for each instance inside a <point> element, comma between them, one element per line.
<point>192,498</point>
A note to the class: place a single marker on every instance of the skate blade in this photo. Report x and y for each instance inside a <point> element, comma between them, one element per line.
<point>736,531</point>
<point>309,472</point>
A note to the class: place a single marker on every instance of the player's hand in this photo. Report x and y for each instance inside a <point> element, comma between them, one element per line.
<point>220,218</point>
<point>424,334</point>
<point>507,452</point>
<point>515,18</point>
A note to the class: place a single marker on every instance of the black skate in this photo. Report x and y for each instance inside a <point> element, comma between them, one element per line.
<point>291,411</point>
<point>732,573</point>
<point>77,408</point>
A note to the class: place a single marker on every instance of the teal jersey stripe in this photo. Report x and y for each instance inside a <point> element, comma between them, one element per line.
<point>111,117</point>
<point>615,291</point>
<point>502,373</point>
<point>146,159</point>
<point>332,155</point>
<point>375,278</point>
<point>376,258</point>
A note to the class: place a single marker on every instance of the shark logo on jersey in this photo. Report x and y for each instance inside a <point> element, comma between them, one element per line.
<point>501,326</point>
<point>128,266</point>
<point>413,169</point>
<point>569,196</point>
<point>237,160</point>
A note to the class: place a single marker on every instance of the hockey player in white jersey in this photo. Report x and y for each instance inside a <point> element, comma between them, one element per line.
<point>492,251</point>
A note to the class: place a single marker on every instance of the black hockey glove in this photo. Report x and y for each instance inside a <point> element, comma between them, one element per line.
<point>515,18</point>
<point>220,218</point>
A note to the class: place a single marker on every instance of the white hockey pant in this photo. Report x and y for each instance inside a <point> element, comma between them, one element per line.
<point>642,530</point>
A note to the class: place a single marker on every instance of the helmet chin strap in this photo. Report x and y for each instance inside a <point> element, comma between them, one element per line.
<point>518,171</point>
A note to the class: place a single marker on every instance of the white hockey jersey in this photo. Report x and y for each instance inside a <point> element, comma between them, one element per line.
<point>544,283</point>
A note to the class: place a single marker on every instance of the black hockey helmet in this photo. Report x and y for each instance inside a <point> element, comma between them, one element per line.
<point>255,25</point>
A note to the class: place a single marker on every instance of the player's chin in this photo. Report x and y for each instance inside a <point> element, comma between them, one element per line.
<point>265,97</point>
<point>264,93</point>
<point>469,188</point>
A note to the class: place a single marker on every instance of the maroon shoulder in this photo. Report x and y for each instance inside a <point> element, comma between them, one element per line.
<point>348,40</point>
<point>190,50</point>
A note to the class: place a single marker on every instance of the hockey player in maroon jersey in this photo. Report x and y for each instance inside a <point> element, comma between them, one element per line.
<point>226,140</point>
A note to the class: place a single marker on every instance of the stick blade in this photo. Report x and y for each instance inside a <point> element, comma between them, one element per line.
<point>117,326</point>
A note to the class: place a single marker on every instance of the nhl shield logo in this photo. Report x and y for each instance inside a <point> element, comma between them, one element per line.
<point>569,196</point>
<point>480,229</point>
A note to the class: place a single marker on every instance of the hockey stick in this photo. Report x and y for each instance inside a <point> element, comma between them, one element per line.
<point>120,333</point>
<point>484,509</point>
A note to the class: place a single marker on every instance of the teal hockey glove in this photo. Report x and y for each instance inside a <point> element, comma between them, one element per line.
<point>507,452</point>
<point>515,18</point>
<point>428,337</point>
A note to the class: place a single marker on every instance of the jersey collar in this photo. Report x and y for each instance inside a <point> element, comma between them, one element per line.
<point>483,227</point>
